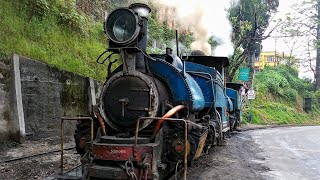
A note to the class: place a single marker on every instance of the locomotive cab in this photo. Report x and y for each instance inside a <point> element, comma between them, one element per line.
<point>233,91</point>
<point>218,64</point>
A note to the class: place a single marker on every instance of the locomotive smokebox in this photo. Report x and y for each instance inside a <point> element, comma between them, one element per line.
<point>131,93</point>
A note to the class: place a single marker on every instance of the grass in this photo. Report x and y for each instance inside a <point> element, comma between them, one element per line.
<point>56,45</point>
<point>273,113</point>
<point>271,108</point>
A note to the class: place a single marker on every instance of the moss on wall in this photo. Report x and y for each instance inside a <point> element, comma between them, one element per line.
<point>74,98</point>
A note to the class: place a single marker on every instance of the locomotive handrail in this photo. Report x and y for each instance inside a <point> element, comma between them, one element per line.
<point>185,135</point>
<point>203,73</point>
<point>108,57</point>
<point>62,134</point>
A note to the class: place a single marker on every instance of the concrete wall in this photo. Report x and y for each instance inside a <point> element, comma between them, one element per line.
<point>36,96</point>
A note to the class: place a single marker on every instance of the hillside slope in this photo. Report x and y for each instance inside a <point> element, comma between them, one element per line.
<point>279,98</point>
<point>53,33</point>
<point>60,34</point>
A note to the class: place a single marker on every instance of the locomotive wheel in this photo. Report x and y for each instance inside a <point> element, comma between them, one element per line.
<point>238,123</point>
<point>82,135</point>
<point>228,133</point>
<point>219,129</point>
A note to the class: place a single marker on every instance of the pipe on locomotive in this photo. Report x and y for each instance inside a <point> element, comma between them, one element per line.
<point>143,10</point>
<point>167,115</point>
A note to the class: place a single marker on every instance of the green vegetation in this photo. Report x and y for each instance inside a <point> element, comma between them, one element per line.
<point>164,36</point>
<point>250,22</point>
<point>279,98</point>
<point>54,33</point>
<point>62,34</point>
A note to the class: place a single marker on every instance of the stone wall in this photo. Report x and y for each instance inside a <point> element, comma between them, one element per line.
<point>34,97</point>
<point>48,94</point>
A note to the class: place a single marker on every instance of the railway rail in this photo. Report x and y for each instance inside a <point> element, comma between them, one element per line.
<point>35,155</point>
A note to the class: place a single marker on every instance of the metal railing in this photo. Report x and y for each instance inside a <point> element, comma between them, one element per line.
<point>62,134</point>
<point>185,135</point>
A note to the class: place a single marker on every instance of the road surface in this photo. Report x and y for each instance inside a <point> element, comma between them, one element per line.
<point>285,153</point>
<point>291,153</point>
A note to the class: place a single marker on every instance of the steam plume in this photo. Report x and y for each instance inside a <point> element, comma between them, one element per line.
<point>205,18</point>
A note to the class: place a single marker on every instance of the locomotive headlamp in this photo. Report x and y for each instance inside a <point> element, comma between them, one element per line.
<point>122,26</point>
<point>142,9</point>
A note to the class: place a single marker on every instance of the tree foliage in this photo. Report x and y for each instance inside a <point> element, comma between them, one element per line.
<point>160,35</point>
<point>303,26</point>
<point>282,82</point>
<point>250,20</point>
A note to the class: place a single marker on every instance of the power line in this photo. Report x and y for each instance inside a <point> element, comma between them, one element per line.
<point>282,51</point>
<point>285,36</point>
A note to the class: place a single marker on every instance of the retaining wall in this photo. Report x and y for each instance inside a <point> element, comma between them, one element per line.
<point>34,97</point>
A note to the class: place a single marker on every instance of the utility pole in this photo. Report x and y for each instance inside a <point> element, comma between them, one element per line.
<point>317,75</point>
<point>275,52</point>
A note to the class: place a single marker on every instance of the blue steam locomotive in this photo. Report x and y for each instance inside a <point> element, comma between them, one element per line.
<point>157,113</point>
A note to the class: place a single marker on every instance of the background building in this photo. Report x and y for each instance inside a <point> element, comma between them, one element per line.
<point>270,58</point>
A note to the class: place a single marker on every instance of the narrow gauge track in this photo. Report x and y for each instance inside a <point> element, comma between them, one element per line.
<point>35,155</point>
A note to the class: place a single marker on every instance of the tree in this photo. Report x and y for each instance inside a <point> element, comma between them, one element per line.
<point>317,73</point>
<point>250,20</point>
<point>304,24</point>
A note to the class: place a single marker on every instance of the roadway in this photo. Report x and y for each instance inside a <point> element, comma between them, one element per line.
<point>282,153</point>
<point>290,153</point>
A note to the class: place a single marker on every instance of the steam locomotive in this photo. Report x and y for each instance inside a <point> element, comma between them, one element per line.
<point>157,113</point>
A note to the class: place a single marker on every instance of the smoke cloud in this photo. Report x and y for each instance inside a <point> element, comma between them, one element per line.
<point>205,18</point>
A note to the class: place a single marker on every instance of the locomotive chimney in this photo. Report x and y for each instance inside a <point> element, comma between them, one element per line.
<point>143,10</point>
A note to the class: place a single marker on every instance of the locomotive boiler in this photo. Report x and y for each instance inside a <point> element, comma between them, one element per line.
<point>156,113</point>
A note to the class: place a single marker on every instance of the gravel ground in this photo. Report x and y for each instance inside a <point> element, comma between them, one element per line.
<point>238,159</point>
<point>37,167</point>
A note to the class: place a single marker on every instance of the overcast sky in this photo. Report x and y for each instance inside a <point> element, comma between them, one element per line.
<point>271,44</point>
<point>283,9</point>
